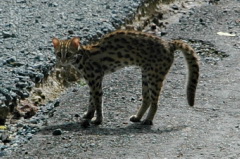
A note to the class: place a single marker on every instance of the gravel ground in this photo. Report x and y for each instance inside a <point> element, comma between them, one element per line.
<point>26,30</point>
<point>209,130</point>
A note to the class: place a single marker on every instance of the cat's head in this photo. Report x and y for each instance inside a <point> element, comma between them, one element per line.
<point>66,50</point>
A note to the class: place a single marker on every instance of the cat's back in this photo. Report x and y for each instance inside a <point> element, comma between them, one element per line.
<point>130,37</point>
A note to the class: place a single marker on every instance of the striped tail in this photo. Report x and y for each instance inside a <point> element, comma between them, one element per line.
<point>193,68</point>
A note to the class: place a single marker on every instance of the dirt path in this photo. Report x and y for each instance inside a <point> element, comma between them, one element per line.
<point>209,130</point>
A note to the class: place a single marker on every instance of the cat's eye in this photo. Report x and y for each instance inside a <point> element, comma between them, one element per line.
<point>68,55</point>
<point>58,53</point>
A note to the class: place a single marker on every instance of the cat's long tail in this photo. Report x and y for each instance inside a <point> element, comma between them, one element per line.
<point>193,68</point>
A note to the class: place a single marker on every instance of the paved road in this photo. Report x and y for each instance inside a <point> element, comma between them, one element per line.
<point>209,130</point>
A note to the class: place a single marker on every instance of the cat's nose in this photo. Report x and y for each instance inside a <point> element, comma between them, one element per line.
<point>59,64</point>
<point>63,60</point>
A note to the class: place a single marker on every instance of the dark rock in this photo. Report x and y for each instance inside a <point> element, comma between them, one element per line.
<point>114,12</point>
<point>21,85</point>
<point>45,26</point>
<point>57,103</point>
<point>175,7</point>
<point>153,27</point>
<point>21,1</point>
<point>4,110</point>
<point>16,64</point>
<point>57,132</point>
<point>25,94</point>
<point>99,33</point>
<point>7,34</point>
<point>39,58</point>
<point>163,33</point>
<point>79,18</point>
<point>11,59</point>
<point>53,4</point>
<point>29,136</point>
<point>70,32</point>
<point>77,115</point>
<point>19,92</point>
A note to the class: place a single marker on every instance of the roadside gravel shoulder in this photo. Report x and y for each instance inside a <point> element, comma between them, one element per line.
<point>26,30</point>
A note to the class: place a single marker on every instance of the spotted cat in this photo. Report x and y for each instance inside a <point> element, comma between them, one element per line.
<point>126,48</point>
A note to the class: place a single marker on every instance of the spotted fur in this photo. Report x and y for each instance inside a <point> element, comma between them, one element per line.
<point>126,48</point>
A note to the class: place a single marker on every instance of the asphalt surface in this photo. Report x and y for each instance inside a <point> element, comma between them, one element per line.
<point>209,130</point>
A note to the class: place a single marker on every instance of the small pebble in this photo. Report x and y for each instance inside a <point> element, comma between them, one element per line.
<point>175,7</point>
<point>70,32</point>
<point>57,132</point>
<point>5,137</point>
<point>77,115</point>
<point>56,104</point>
<point>7,34</point>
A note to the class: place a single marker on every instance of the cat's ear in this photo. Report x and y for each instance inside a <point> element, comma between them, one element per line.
<point>76,43</point>
<point>55,42</point>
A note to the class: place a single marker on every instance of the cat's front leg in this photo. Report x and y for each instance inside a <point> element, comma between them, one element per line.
<point>91,109</point>
<point>89,114</point>
<point>97,98</point>
<point>95,104</point>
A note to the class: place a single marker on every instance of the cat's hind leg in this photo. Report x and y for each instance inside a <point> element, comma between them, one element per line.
<point>155,89</point>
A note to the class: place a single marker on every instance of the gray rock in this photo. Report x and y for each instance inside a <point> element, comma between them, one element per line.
<point>19,125</point>
<point>29,136</point>
<point>10,59</point>
<point>21,1</point>
<point>5,137</point>
<point>7,34</point>
<point>175,7</point>
<point>34,121</point>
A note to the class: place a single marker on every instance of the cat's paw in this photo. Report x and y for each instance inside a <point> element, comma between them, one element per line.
<point>147,122</point>
<point>96,121</point>
<point>88,115</point>
<point>85,123</point>
<point>134,119</point>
